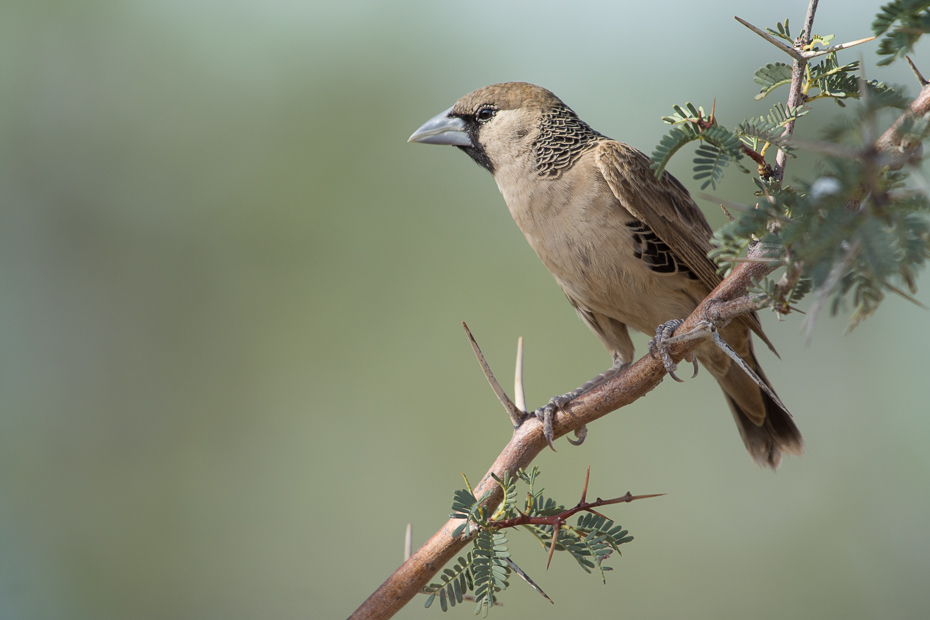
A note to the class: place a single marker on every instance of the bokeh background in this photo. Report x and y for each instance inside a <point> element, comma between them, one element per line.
<point>231,361</point>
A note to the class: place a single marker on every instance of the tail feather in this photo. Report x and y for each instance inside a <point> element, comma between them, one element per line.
<point>767,438</point>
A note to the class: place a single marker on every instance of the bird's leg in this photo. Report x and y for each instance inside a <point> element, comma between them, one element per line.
<point>557,403</point>
<point>663,338</point>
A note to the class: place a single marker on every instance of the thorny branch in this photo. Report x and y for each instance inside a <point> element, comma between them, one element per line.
<point>528,441</point>
<point>785,284</point>
<point>795,96</point>
<point>560,518</point>
<point>892,141</point>
<point>556,521</point>
<point>724,303</point>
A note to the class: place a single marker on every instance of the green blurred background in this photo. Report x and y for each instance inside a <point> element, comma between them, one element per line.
<point>232,361</point>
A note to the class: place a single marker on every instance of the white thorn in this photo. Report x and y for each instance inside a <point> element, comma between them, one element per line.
<point>519,395</point>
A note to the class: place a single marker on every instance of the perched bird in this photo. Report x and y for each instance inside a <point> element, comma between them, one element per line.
<point>628,250</point>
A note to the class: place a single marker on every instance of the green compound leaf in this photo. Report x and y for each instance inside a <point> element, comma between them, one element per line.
<point>882,95</point>
<point>669,145</point>
<point>718,149</point>
<point>835,80</point>
<point>709,162</point>
<point>688,113</point>
<point>771,76</point>
<point>914,22</point>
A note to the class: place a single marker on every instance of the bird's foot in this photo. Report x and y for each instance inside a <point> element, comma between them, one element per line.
<point>660,343</point>
<point>558,403</point>
<point>545,415</point>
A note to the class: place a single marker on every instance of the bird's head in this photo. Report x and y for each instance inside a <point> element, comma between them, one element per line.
<point>505,123</point>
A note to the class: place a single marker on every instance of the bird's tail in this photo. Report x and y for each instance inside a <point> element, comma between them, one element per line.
<point>767,430</point>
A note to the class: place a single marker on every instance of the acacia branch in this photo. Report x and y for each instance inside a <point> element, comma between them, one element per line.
<point>557,519</point>
<point>785,285</point>
<point>893,140</point>
<point>795,96</point>
<point>528,441</point>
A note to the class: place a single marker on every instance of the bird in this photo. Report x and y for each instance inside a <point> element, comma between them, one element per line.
<point>629,250</point>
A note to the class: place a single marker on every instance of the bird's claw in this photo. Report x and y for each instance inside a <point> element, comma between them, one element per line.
<point>581,433</point>
<point>657,345</point>
<point>545,414</point>
<point>558,403</point>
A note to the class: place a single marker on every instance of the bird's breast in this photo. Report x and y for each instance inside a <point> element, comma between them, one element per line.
<point>580,232</point>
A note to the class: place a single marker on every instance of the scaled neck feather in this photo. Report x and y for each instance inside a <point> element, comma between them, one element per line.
<point>563,138</point>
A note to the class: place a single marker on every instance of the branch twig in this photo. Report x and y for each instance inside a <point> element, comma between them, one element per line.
<point>795,96</point>
<point>554,520</point>
<point>891,140</point>
<point>787,282</point>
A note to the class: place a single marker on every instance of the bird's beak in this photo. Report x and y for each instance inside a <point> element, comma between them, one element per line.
<point>442,129</point>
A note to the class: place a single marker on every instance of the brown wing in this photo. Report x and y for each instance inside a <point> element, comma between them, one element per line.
<point>666,207</point>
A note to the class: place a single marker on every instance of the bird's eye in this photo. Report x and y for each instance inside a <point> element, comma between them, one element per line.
<point>485,114</point>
